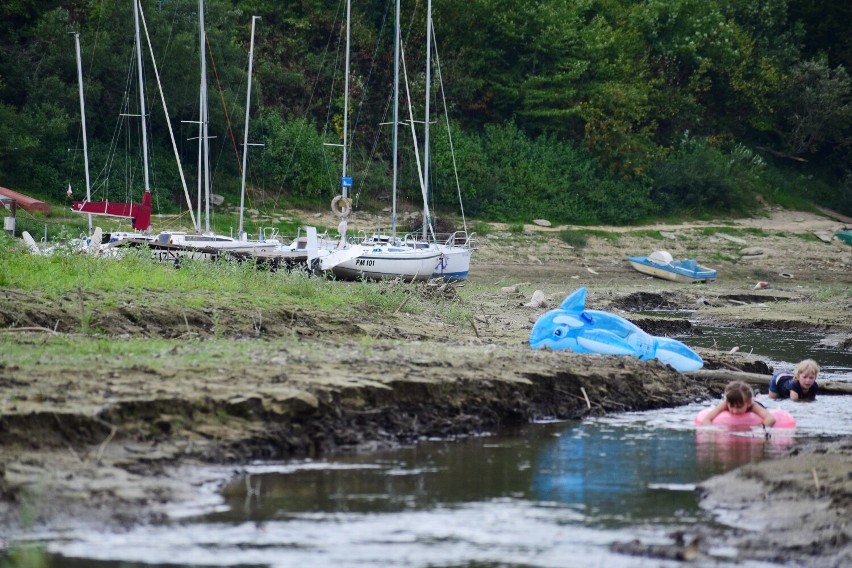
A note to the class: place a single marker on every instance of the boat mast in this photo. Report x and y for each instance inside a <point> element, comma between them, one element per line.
<point>395,114</point>
<point>344,188</point>
<point>202,36</point>
<point>426,121</point>
<point>83,122</point>
<point>142,113</point>
<point>246,132</point>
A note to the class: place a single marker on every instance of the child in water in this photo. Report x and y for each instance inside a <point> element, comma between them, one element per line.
<point>799,385</point>
<point>738,400</point>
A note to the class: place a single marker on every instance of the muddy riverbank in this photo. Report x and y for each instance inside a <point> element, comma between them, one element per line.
<point>107,436</point>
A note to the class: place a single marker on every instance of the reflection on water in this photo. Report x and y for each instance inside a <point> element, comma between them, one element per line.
<point>727,449</point>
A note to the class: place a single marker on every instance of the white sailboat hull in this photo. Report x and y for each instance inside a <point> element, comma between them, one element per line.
<point>386,263</point>
<point>454,263</point>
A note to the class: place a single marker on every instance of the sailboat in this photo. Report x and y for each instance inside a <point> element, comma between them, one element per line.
<point>409,258</point>
<point>454,263</point>
<point>379,257</point>
<point>172,245</point>
<point>169,245</point>
<point>138,213</point>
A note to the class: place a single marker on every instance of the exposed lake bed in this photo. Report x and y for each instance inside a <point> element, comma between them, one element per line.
<point>107,438</point>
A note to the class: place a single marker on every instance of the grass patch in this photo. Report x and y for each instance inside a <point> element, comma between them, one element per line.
<point>733,231</point>
<point>653,234</point>
<point>482,229</point>
<point>573,237</point>
<point>578,238</point>
<point>516,228</point>
<point>196,284</point>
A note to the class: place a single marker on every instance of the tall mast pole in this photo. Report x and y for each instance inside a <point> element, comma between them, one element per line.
<point>202,36</point>
<point>426,122</point>
<point>83,122</point>
<point>142,113</point>
<point>344,188</point>
<point>395,113</point>
<point>246,132</point>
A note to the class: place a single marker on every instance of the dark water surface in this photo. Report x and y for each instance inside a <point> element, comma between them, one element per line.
<point>781,349</point>
<point>545,495</point>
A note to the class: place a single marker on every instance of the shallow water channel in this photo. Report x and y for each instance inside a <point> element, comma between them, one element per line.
<point>550,494</point>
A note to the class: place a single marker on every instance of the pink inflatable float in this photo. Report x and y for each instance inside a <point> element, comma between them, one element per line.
<point>783,419</point>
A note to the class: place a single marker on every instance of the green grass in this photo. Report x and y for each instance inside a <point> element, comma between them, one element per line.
<point>573,237</point>
<point>516,228</point>
<point>733,231</point>
<point>653,234</point>
<point>83,280</point>
<point>482,229</point>
<point>578,238</point>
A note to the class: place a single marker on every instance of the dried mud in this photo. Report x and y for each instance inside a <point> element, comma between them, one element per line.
<point>108,439</point>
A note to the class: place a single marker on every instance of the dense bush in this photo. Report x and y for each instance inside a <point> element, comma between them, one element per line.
<point>505,174</point>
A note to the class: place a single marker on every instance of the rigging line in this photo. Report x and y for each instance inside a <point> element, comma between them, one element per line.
<point>101,179</point>
<point>165,111</point>
<point>377,132</point>
<point>224,104</point>
<point>89,66</point>
<point>331,175</point>
<point>449,132</point>
<point>377,135</point>
<point>310,101</point>
<point>428,215</point>
<point>366,88</point>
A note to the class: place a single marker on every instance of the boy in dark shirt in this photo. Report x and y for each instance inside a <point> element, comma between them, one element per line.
<point>799,385</point>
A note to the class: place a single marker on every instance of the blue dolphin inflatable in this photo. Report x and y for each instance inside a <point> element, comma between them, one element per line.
<point>571,326</point>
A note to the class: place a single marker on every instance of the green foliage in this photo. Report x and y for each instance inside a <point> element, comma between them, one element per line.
<point>701,177</point>
<point>816,108</point>
<point>294,158</point>
<point>577,239</point>
<point>571,111</point>
<point>481,228</point>
<point>506,175</point>
<point>516,228</point>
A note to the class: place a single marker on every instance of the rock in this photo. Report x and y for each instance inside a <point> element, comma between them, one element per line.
<point>733,239</point>
<point>752,251</point>
<point>217,199</point>
<point>541,222</point>
<point>824,236</point>
<point>668,235</point>
<point>509,289</point>
<point>538,300</point>
<point>761,285</point>
<point>531,258</point>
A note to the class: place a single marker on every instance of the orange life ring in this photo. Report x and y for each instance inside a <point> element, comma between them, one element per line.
<point>341,206</point>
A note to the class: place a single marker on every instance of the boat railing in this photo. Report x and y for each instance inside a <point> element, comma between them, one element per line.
<point>462,239</point>
<point>268,234</point>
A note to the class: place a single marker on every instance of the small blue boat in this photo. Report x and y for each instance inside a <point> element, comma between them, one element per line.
<point>660,264</point>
